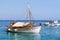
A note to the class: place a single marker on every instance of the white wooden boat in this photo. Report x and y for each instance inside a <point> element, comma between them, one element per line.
<point>24,26</point>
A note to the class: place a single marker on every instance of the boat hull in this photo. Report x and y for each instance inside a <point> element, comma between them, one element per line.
<point>33,30</point>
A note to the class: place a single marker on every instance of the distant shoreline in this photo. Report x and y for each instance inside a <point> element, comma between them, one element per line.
<point>20,20</point>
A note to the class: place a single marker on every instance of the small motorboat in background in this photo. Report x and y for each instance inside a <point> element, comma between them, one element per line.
<point>51,23</point>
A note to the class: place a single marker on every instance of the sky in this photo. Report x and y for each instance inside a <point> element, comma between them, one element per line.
<point>40,9</point>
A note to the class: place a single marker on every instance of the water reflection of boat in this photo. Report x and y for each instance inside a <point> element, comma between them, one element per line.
<point>24,36</point>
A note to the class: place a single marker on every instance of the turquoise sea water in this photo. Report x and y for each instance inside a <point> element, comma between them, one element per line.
<point>46,33</point>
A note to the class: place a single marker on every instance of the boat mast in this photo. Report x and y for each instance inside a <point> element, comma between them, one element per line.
<point>29,12</point>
